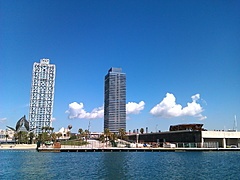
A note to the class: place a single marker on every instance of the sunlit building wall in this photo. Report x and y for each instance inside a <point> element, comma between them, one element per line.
<point>42,95</point>
<point>115,100</point>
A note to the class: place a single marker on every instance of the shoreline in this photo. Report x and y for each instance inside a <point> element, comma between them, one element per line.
<point>18,146</point>
<point>109,149</point>
<point>69,149</point>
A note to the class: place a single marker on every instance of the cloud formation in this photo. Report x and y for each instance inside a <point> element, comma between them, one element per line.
<point>134,108</point>
<point>77,111</point>
<point>2,120</point>
<point>168,108</point>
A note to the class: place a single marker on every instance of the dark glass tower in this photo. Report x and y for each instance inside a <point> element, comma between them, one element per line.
<point>115,100</point>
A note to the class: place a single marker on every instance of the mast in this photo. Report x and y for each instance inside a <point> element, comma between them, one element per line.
<point>235,123</point>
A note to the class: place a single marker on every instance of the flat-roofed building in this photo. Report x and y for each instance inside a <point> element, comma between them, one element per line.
<point>190,135</point>
<point>41,96</point>
<point>115,100</point>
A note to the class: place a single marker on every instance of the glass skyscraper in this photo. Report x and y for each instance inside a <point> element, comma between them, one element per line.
<point>41,96</point>
<point>115,100</point>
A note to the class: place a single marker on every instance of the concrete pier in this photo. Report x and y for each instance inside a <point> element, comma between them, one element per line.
<point>134,149</point>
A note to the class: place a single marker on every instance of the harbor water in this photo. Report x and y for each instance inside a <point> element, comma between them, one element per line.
<point>24,164</point>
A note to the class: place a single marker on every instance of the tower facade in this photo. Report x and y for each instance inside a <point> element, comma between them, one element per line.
<point>115,100</point>
<point>42,95</point>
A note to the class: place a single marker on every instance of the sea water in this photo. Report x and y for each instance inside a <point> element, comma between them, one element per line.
<point>119,165</point>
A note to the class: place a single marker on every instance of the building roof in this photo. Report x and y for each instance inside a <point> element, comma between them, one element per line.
<point>22,124</point>
<point>193,127</point>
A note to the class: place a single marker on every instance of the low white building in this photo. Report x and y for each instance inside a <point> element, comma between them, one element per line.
<point>223,138</point>
<point>6,133</point>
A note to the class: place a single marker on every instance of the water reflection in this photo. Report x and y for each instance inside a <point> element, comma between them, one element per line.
<point>24,164</point>
<point>119,165</point>
<point>113,165</point>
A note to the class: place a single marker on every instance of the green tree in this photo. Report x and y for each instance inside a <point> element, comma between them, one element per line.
<point>43,129</point>
<point>102,138</point>
<point>22,137</point>
<point>53,137</point>
<point>68,134</point>
<point>59,135</point>
<point>6,136</point>
<point>80,131</point>
<point>107,135</point>
<point>51,129</point>
<point>113,136</point>
<point>31,136</point>
<point>121,133</point>
<point>141,130</point>
<point>45,137</point>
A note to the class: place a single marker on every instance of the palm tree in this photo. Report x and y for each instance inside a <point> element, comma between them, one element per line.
<point>68,134</point>
<point>51,129</point>
<point>53,136</point>
<point>45,137</point>
<point>102,138</point>
<point>107,134</point>
<point>16,136</point>
<point>31,136</point>
<point>122,133</point>
<point>6,136</point>
<point>59,135</point>
<point>44,128</point>
<point>80,131</point>
<point>113,136</point>
<point>87,134</point>
<point>22,137</point>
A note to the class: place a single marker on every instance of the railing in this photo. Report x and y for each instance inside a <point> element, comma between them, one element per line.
<point>198,145</point>
<point>98,144</point>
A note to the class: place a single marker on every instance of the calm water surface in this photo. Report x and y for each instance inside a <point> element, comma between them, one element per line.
<point>119,165</point>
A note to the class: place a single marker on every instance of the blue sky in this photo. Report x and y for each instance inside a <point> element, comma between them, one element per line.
<point>181,59</point>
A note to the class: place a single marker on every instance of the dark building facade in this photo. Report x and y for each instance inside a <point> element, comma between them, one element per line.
<point>21,125</point>
<point>115,100</point>
<point>185,136</point>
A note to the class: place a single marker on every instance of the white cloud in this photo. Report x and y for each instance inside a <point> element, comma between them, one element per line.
<point>2,120</point>
<point>168,108</point>
<point>76,110</point>
<point>134,108</point>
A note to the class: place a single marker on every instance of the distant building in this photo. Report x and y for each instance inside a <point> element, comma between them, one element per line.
<point>191,127</point>
<point>7,135</point>
<point>22,125</point>
<point>42,95</point>
<point>190,135</point>
<point>115,100</point>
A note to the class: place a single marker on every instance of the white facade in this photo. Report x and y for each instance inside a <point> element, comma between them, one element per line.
<point>42,95</point>
<point>224,138</point>
<point>6,135</point>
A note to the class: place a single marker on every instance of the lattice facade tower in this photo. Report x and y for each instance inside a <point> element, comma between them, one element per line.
<point>115,100</point>
<point>42,95</point>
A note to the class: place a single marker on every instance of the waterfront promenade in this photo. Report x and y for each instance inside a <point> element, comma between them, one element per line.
<point>115,149</point>
<point>96,146</point>
<point>17,146</point>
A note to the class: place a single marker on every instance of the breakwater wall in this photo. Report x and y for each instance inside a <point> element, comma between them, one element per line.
<point>134,149</point>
